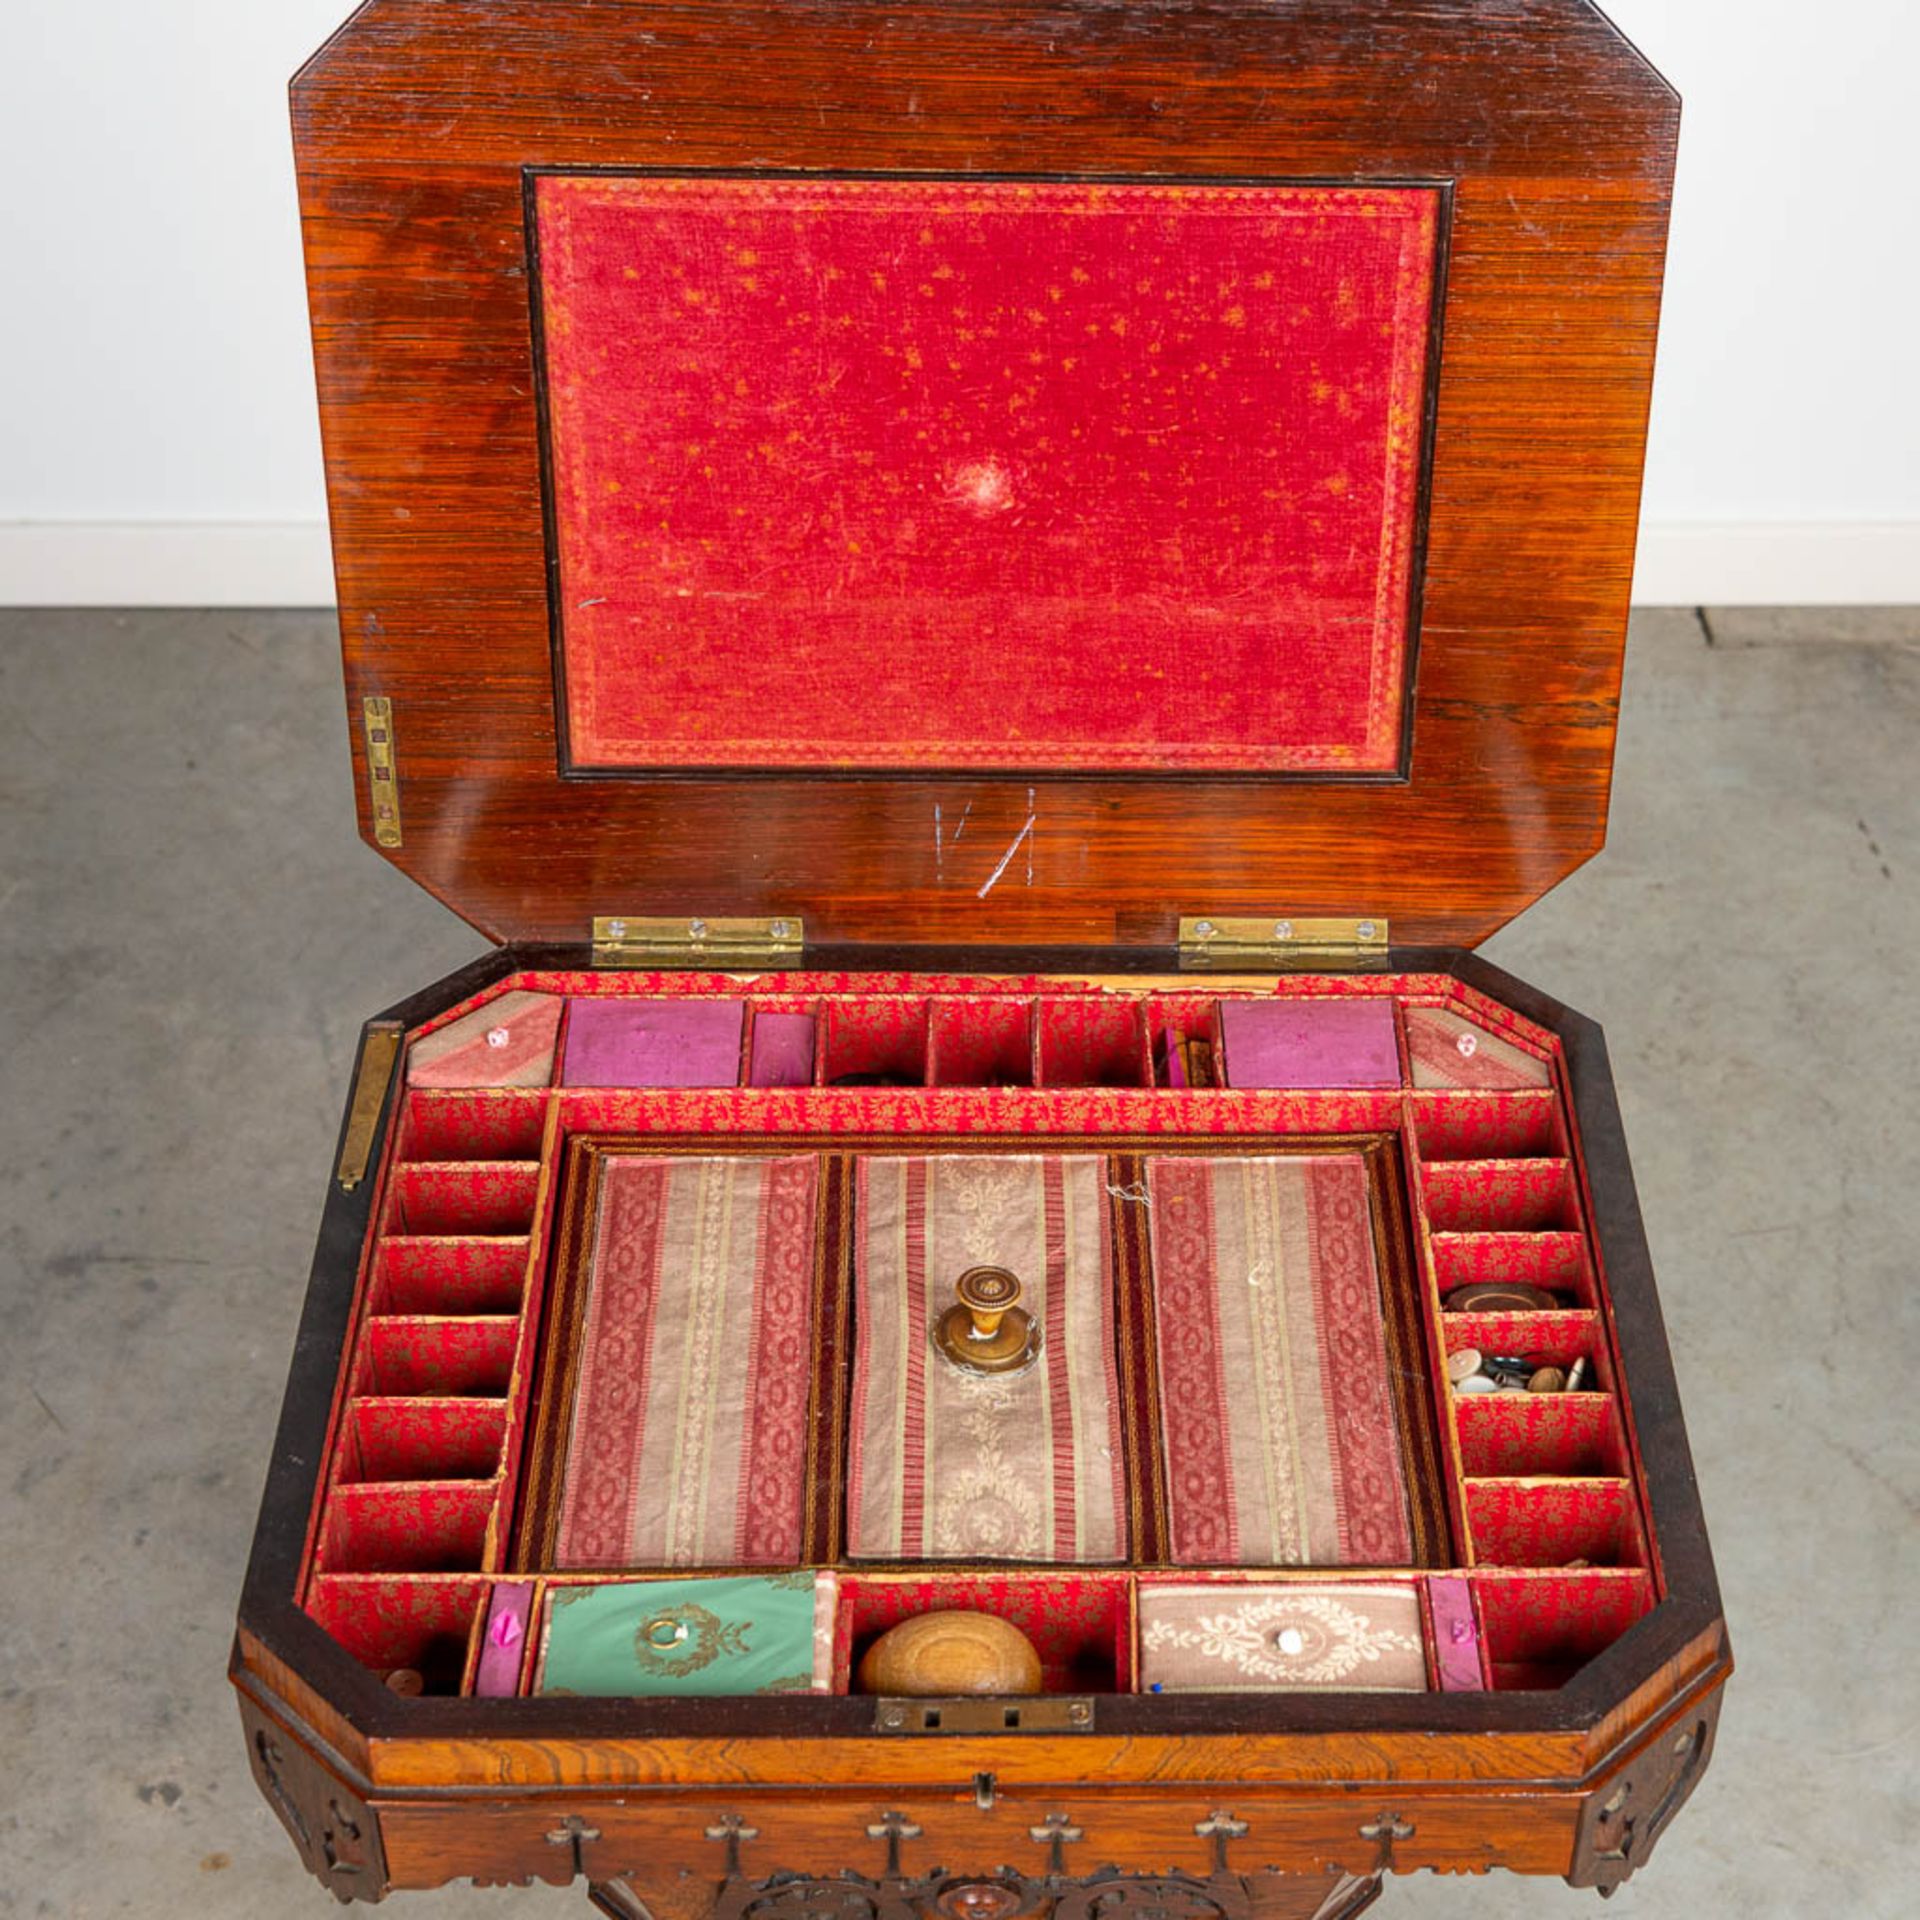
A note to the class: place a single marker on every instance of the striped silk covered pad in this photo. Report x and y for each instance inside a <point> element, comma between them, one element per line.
<point>1258,1415</point>
<point>687,1444</point>
<point>952,1466</point>
<point>1276,1416</point>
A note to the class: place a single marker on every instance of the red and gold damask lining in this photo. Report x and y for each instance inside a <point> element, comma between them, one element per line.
<point>418,1505</point>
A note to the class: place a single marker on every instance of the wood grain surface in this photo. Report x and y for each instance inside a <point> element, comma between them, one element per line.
<point>413,130</point>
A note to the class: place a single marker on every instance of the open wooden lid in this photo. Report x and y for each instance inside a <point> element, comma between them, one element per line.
<point>1011,474</point>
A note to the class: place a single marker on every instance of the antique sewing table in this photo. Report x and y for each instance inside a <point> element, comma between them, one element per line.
<point>985,602</point>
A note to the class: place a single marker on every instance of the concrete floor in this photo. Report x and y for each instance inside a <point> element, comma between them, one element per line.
<point>190,935</point>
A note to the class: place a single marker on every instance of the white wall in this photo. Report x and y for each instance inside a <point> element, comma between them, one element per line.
<point>157,442</point>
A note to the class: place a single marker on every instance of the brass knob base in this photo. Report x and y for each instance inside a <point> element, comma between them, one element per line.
<point>1009,1347</point>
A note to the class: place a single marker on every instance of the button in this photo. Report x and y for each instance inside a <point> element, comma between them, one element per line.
<point>406,1682</point>
<point>498,1036</point>
<point>1469,1045</point>
<point>1290,1641</point>
<point>1463,1365</point>
<point>1547,1380</point>
<point>1499,1296</point>
<point>1478,1383</point>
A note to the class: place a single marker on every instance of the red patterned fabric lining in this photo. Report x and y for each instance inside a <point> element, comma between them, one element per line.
<point>901,455</point>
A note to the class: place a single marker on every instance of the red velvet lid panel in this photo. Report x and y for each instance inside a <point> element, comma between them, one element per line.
<point>1008,474</point>
<point>1027,475</point>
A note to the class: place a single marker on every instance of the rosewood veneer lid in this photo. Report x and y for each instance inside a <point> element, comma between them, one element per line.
<point>958,483</point>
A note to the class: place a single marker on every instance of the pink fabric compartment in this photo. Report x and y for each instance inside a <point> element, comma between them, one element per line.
<point>781,1048</point>
<point>1453,1630</point>
<point>506,1042</point>
<point>1445,1049</point>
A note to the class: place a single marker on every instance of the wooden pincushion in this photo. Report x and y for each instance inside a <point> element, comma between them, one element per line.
<point>936,1654</point>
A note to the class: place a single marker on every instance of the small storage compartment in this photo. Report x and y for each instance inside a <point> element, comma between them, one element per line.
<point>1529,1523</point>
<point>982,1043</point>
<point>464,1275</point>
<point>489,1124</point>
<point>1540,1629</point>
<point>445,1358</point>
<point>1080,1624</point>
<point>462,1197</point>
<point>413,1626</point>
<point>416,1526</point>
<point>1501,1196</point>
<point>1539,1435</point>
<point>423,1439</point>
<point>1093,1043</point>
<point>876,1042</point>
<point>1521,1125</point>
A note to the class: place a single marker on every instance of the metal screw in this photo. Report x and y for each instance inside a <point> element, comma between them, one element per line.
<point>781,929</point>
<point>1204,929</point>
<point>1366,929</point>
<point>894,1717</point>
<point>1283,929</point>
<point>696,929</point>
<point>1079,1713</point>
<point>617,929</point>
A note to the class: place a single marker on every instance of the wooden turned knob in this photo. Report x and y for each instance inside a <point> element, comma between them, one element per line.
<point>987,1293</point>
<point>986,1330</point>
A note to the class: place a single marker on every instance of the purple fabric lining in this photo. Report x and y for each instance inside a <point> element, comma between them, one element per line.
<point>653,1043</point>
<point>782,1050</point>
<point>503,1640</point>
<point>1309,1043</point>
<point>1456,1640</point>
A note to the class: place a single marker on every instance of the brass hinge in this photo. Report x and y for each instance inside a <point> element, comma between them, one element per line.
<point>1279,943</point>
<point>641,940</point>
<point>383,781</point>
<point>378,1053</point>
